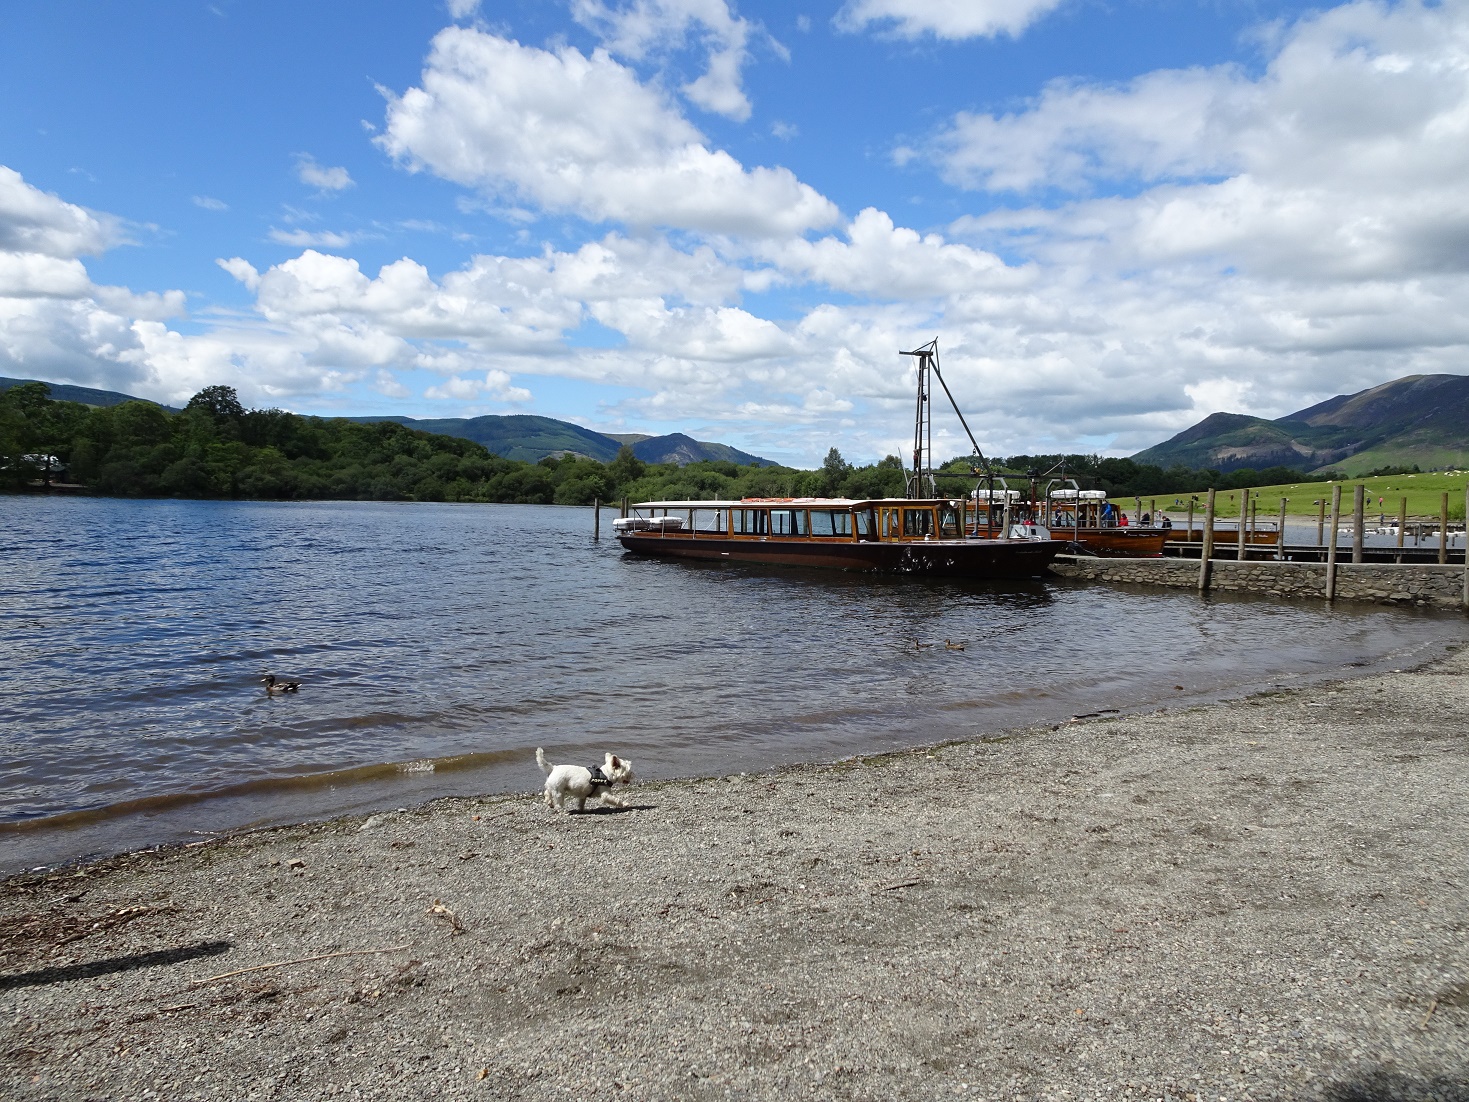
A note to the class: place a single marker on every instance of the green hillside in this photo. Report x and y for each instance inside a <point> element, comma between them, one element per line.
<point>521,436</point>
<point>87,396</point>
<point>1423,491</point>
<point>1420,420</point>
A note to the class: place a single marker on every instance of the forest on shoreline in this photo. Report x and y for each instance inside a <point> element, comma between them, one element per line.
<point>216,448</point>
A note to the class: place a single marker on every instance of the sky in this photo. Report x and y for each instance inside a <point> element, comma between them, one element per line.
<point>728,219</point>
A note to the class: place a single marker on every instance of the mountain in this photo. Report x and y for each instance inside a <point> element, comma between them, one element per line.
<point>515,436</point>
<point>520,436</point>
<point>65,392</point>
<point>529,438</point>
<point>681,449</point>
<point>1418,419</point>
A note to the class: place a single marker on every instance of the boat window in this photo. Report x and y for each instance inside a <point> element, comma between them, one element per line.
<point>890,524</point>
<point>709,520</point>
<point>949,528</point>
<point>750,522</point>
<point>917,522</point>
<point>824,523</point>
<point>788,522</point>
<point>865,525</point>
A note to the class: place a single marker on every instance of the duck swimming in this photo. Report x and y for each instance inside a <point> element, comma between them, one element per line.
<point>949,645</point>
<point>272,686</point>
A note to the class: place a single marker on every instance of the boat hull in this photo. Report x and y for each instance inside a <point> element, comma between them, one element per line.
<point>978,559</point>
<point>1130,543</point>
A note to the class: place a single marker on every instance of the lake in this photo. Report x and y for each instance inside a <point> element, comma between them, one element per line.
<point>439,645</point>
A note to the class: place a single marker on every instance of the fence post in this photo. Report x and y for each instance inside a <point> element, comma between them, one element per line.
<point>1244,516</point>
<point>1207,549</point>
<point>1331,547</point>
<point>1280,534</point>
<point>596,518</point>
<point>1193,500</point>
<point>1443,530</point>
<point>1320,521</point>
<point>1359,520</point>
<point>1402,525</point>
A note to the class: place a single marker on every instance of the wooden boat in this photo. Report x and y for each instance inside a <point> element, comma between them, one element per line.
<point>887,535</point>
<point>1080,516</point>
<point>1070,516</point>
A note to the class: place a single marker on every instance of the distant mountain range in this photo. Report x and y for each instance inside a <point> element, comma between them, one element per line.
<point>65,392</point>
<point>1418,419</point>
<point>514,436</point>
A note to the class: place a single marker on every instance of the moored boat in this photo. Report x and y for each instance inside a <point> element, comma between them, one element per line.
<point>920,536</point>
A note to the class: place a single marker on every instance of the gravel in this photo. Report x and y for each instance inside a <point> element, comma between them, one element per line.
<point>1262,899</point>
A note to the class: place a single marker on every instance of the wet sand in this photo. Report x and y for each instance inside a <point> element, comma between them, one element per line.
<point>1260,899</point>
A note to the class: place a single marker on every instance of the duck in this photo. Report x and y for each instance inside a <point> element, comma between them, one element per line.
<point>951,645</point>
<point>921,646</point>
<point>272,686</point>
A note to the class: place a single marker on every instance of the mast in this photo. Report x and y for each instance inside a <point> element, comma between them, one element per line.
<point>921,481</point>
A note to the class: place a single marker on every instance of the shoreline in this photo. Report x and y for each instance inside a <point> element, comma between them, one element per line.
<point>1261,898</point>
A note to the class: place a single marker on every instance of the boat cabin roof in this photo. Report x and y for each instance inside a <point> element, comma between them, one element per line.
<point>794,502</point>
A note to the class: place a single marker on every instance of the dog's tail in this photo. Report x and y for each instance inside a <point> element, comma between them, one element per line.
<point>541,761</point>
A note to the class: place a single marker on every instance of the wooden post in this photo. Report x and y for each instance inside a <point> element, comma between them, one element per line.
<point>1192,501</point>
<point>1280,532</point>
<point>1359,520</point>
<point>1320,521</point>
<point>1466,548</point>
<point>1244,516</point>
<point>1443,531</point>
<point>1402,522</point>
<point>1208,546</point>
<point>624,508</point>
<point>1331,547</point>
<point>596,518</point>
<point>1153,512</point>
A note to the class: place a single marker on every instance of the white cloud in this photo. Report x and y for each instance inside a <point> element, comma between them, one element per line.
<point>949,19</point>
<point>462,9</point>
<point>301,239</point>
<point>33,221</point>
<point>635,29</point>
<point>242,270</point>
<point>495,386</point>
<point>210,203</point>
<point>581,135</point>
<point>320,176</point>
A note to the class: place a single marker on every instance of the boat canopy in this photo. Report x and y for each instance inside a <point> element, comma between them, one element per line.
<point>800,502</point>
<point>995,495</point>
<point>1078,495</point>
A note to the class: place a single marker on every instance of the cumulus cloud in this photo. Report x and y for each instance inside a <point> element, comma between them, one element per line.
<point>320,176</point>
<point>633,30</point>
<point>462,9</point>
<point>33,221</point>
<point>574,134</point>
<point>495,386</point>
<point>209,203</point>
<point>948,19</point>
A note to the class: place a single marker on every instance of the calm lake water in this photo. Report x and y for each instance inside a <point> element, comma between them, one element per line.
<point>439,645</point>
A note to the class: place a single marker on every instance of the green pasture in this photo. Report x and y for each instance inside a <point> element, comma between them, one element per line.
<point>1423,491</point>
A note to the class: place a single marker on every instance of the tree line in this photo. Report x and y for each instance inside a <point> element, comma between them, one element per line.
<point>216,448</point>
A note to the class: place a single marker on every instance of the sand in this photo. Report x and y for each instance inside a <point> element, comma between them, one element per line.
<point>1262,899</point>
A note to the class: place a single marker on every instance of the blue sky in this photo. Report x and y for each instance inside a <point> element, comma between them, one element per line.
<point>726,219</point>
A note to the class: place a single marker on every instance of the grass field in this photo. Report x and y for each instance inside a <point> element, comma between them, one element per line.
<point>1423,491</point>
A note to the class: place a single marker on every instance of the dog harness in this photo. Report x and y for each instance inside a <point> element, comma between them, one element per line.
<point>599,779</point>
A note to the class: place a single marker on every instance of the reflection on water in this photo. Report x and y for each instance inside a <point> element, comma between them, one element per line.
<point>438,645</point>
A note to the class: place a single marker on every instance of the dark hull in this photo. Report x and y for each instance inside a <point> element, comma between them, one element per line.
<point>935,558</point>
<point>1130,543</point>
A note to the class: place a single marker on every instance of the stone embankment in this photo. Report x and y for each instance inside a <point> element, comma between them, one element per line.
<point>1427,585</point>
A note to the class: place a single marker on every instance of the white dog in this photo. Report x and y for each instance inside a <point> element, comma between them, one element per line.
<point>572,782</point>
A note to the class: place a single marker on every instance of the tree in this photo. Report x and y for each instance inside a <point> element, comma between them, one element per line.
<point>220,402</point>
<point>834,471</point>
<point>626,467</point>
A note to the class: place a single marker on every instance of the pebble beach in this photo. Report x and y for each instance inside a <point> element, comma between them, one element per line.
<point>1260,899</point>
